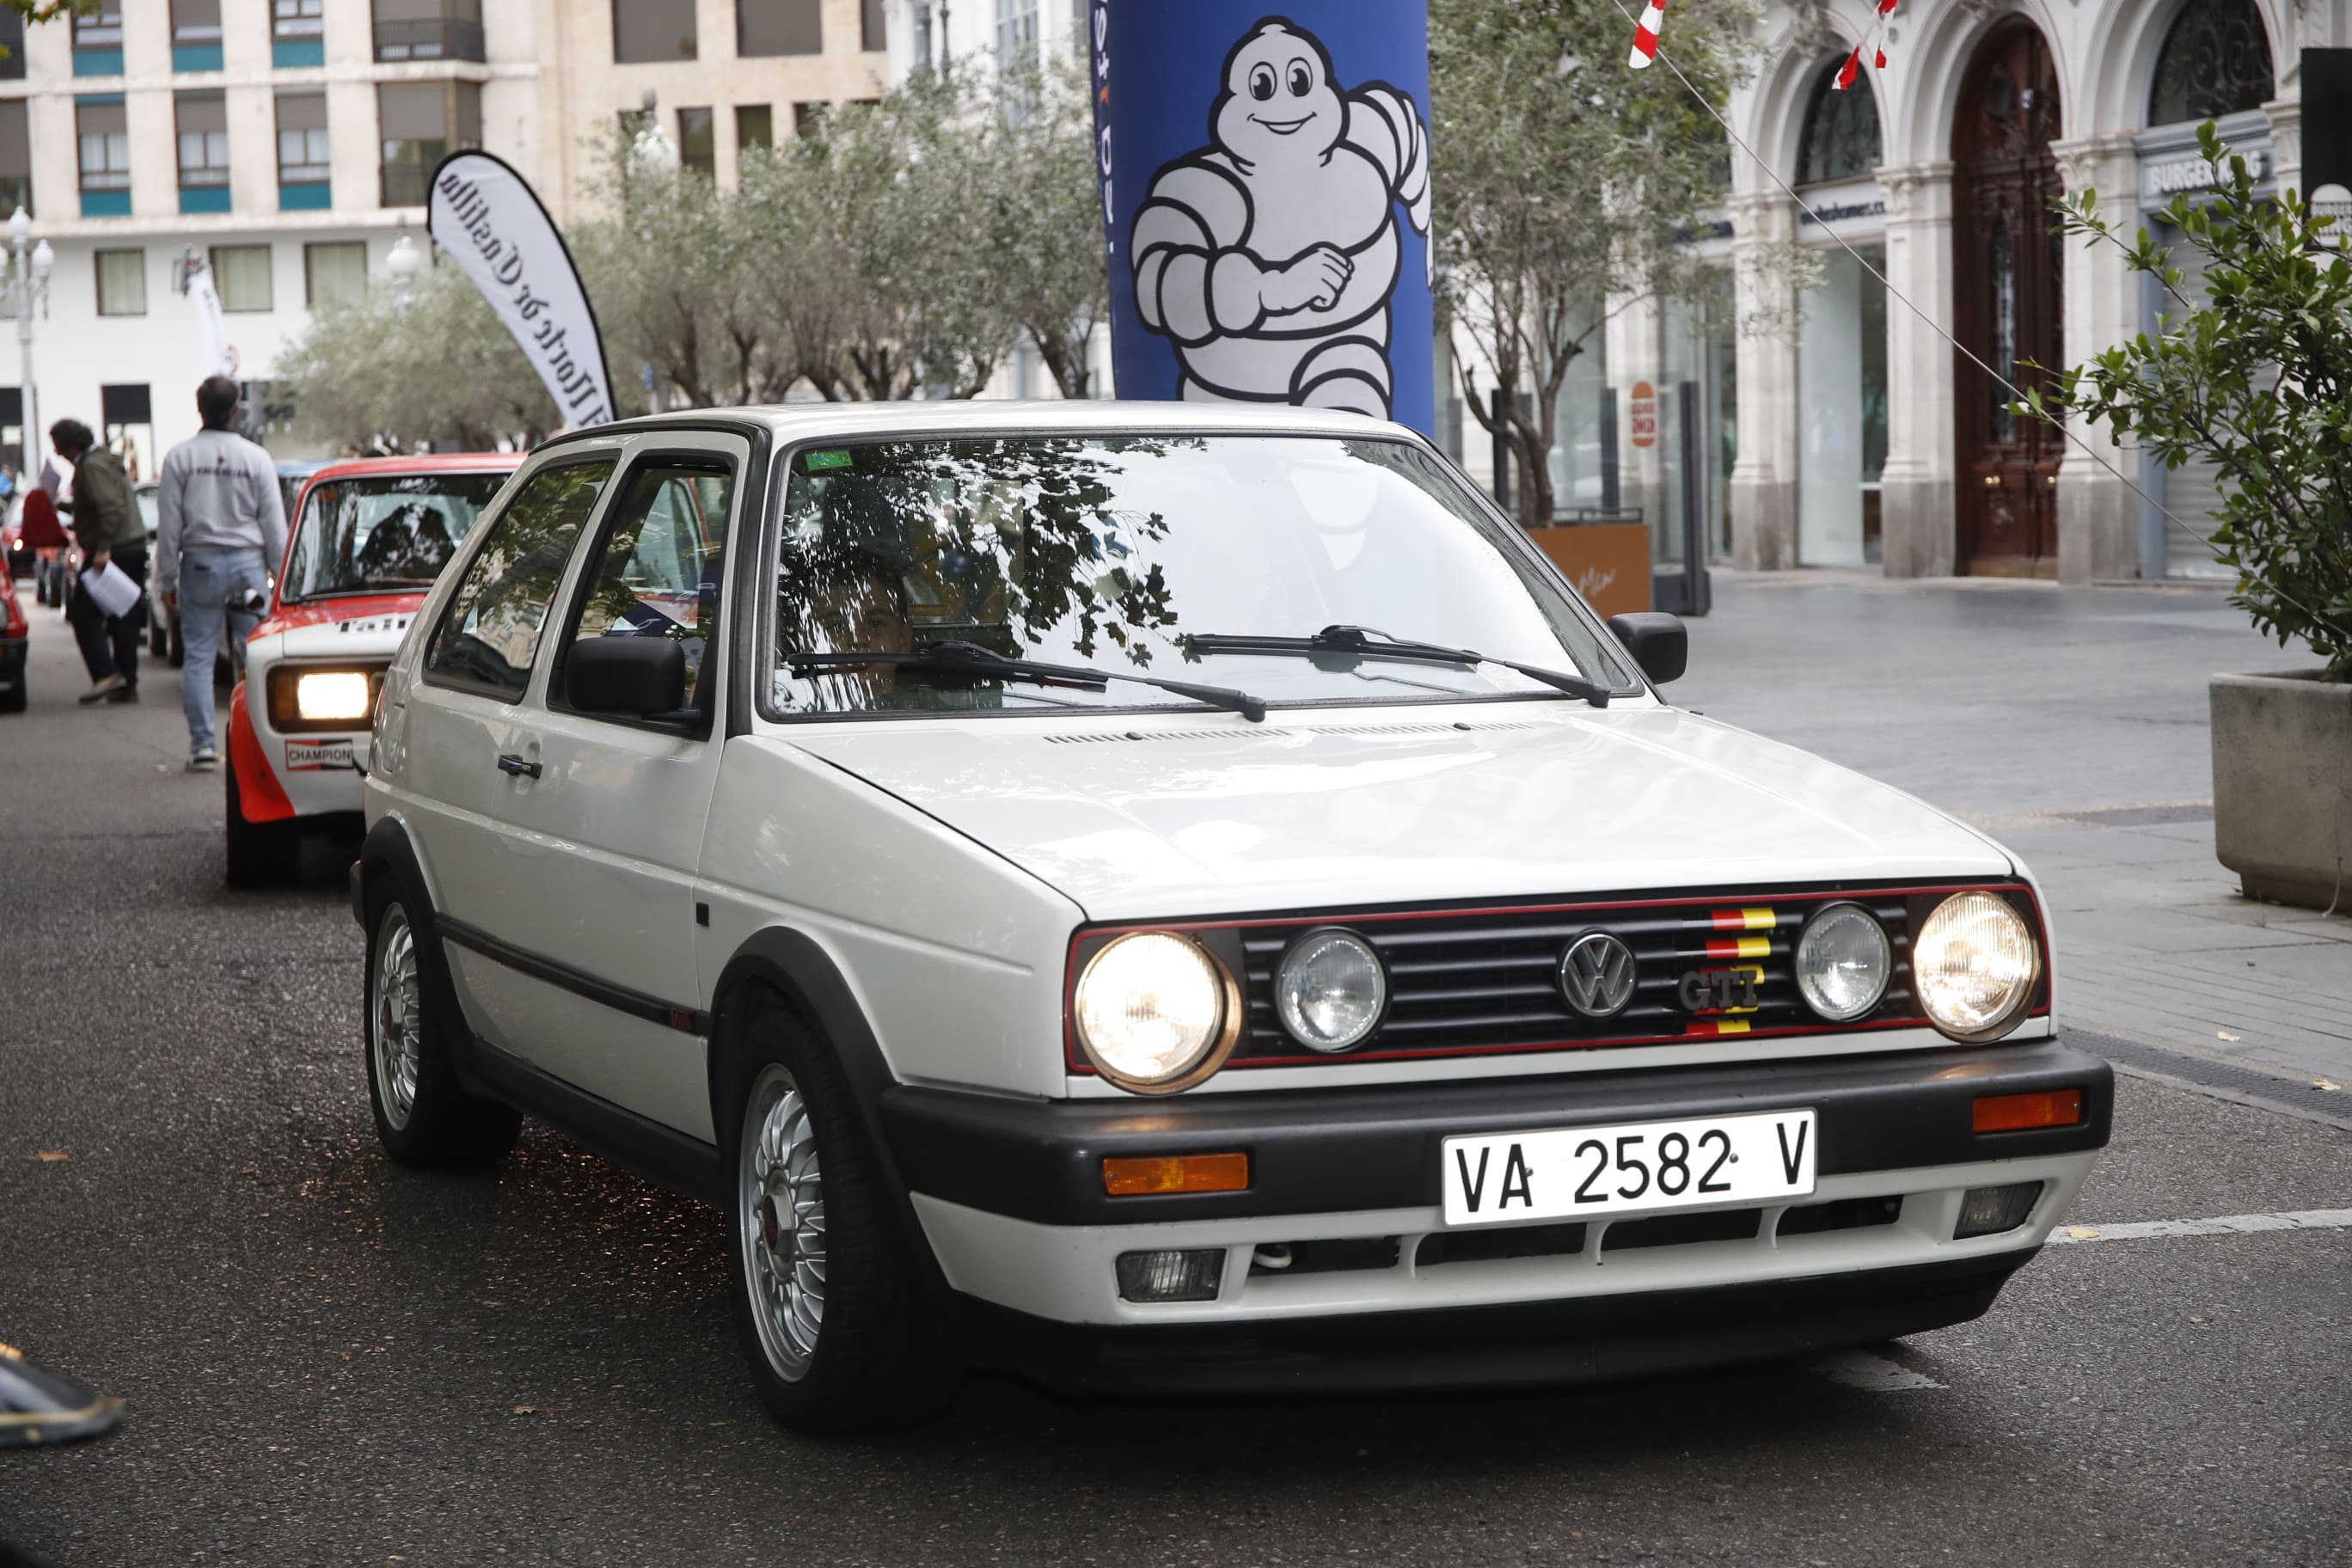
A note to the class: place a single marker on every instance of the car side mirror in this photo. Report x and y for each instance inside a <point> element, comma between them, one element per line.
<point>1658,642</point>
<point>635,677</point>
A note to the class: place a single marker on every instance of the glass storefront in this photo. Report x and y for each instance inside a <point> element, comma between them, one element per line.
<point>1841,411</point>
<point>1702,356</point>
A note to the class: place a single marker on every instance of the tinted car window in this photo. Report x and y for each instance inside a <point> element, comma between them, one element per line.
<point>658,570</point>
<point>378,534</point>
<point>490,633</point>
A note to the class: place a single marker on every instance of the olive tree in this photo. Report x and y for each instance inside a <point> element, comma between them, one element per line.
<point>1561,180</point>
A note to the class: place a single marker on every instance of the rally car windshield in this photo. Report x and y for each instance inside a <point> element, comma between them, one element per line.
<point>1166,555</point>
<point>382,534</point>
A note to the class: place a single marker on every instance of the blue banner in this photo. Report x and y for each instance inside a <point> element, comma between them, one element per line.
<point>1266,201</point>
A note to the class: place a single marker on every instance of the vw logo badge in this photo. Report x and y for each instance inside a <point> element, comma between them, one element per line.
<point>1596,974</point>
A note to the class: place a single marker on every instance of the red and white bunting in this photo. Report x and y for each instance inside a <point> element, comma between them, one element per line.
<point>1645,34</point>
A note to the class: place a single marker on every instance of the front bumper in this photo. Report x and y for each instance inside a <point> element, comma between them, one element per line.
<point>1010,1198</point>
<point>12,662</point>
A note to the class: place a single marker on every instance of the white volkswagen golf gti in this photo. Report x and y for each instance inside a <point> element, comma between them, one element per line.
<point>1170,898</point>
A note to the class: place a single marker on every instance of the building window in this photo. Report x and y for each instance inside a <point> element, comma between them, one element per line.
<point>126,426</point>
<point>697,144</point>
<point>105,140</point>
<point>196,22</point>
<point>1841,140</point>
<point>922,31</point>
<point>12,38</point>
<point>755,126</point>
<point>1016,34</point>
<point>428,29</point>
<point>121,282</point>
<point>334,273</point>
<point>871,33</point>
<point>2215,61</point>
<point>648,31</point>
<point>291,21</point>
<point>203,121</point>
<point>422,123</point>
<point>15,157</point>
<point>302,157</point>
<point>806,118</point>
<point>241,276</point>
<point>100,28</point>
<point>779,28</point>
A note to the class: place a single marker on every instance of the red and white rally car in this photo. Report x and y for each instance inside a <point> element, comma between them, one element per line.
<point>366,541</point>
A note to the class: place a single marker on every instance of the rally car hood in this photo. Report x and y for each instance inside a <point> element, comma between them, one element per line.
<point>1162,818</point>
<point>358,628</point>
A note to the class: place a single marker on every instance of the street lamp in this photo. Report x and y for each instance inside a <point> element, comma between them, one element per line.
<point>403,263</point>
<point>28,285</point>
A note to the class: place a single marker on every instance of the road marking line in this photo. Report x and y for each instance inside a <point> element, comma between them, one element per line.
<point>2228,1225</point>
<point>1872,1373</point>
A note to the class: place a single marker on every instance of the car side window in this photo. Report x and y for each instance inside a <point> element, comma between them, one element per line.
<point>489,634</point>
<point>659,567</point>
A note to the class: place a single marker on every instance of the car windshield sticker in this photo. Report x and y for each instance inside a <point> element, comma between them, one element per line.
<point>821,462</point>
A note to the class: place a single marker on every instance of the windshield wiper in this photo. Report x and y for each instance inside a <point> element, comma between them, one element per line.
<point>1359,642</point>
<point>975,662</point>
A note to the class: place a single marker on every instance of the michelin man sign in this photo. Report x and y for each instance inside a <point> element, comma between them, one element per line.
<point>1266,201</point>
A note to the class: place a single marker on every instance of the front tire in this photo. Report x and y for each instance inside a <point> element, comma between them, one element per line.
<point>260,854</point>
<point>423,1117</point>
<point>827,1306</point>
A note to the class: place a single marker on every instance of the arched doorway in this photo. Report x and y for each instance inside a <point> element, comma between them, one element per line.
<point>2006,281</point>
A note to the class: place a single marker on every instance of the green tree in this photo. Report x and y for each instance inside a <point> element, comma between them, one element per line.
<point>1045,218</point>
<point>2257,380</point>
<point>1562,180</point>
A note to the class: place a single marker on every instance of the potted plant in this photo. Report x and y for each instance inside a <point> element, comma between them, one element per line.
<point>2257,380</point>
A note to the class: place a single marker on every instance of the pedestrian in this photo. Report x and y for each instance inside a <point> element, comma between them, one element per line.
<point>45,536</point>
<point>220,531</point>
<point>106,525</point>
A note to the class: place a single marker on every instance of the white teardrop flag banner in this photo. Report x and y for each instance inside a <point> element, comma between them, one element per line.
<point>488,217</point>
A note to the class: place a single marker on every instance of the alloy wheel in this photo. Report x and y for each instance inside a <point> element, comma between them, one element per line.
<point>395,1017</point>
<point>780,1204</point>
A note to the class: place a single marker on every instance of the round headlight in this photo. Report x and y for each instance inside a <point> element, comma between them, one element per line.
<point>1156,1012</point>
<point>1329,990</point>
<point>1843,962</point>
<point>1975,962</point>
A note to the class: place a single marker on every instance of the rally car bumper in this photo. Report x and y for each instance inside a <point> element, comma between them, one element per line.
<point>1338,1269</point>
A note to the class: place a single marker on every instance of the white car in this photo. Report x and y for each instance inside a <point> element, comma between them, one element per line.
<point>986,850</point>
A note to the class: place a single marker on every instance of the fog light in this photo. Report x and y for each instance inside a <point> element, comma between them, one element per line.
<point>1987,1211</point>
<point>1188,1276</point>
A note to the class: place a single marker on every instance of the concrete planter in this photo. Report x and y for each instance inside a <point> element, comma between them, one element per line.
<point>2282,786</point>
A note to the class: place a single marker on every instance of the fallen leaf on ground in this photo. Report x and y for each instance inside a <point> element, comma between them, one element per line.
<point>2324,1083</point>
<point>2225,1035</point>
<point>526,1409</point>
<point>51,1156</point>
<point>2081,1232</point>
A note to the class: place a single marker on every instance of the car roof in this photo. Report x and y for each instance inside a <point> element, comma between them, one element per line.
<point>947,417</point>
<point>422,463</point>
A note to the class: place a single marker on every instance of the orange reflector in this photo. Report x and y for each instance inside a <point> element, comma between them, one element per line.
<point>2015,1112</point>
<point>1178,1174</point>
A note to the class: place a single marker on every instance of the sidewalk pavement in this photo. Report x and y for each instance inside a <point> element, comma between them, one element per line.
<point>2072,725</point>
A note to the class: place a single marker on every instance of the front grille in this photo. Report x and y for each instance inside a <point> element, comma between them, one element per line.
<point>1489,980</point>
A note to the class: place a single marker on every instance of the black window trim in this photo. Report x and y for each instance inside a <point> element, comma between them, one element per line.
<point>691,459</point>
<point>759,669</point>
<point>482,535</point>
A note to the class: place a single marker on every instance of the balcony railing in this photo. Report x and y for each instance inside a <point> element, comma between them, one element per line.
<point>434,39</point>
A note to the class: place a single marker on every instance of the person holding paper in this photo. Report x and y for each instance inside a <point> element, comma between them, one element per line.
<point>107,525</point>
<point>220,531</point>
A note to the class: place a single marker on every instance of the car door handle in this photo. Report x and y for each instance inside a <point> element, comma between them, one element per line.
<point>511,764</point>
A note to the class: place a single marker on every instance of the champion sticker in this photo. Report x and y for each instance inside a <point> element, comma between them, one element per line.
<point>318,756</point>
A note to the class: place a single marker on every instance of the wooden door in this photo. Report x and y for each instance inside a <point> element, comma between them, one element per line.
<point>2006,281</point>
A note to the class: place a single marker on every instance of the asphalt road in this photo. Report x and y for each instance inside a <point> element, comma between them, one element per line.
<point>329,1360</point>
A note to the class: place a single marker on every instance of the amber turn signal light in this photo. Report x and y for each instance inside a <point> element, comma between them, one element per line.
<point>2016,1113</point>
<point>1176,1174</point>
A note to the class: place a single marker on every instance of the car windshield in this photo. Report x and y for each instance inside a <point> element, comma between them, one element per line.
<point>1111,551</point>
<point>383,532</point>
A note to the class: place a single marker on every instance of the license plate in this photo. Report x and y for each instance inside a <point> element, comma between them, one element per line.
<point>1568,1172</point>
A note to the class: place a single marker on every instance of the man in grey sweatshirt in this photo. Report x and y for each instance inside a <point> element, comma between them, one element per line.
<point>220,531</point>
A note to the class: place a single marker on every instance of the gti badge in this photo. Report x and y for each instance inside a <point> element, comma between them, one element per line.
<point>1721,990</point>
<point>1596,974</point>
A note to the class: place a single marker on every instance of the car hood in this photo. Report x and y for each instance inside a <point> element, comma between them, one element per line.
<point>1164,819</point>
<point>369,627</point>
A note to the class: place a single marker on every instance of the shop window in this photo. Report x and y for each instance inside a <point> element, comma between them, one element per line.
<point>755,126</point>
<point>104,136</point>
<point>650,31</point>
<point>15,157</point>
<point>127,420</point>
<point>779,28</point>
<point>2215,61</point>
<point>334,272</point>
<point>121,282</point>
<point>1840,138</point>
<point>241,276</point>
<point>420,122</point>
<point>697,144</point>
<point>428,29</point>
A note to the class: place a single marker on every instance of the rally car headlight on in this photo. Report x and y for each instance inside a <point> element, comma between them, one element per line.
<point>1974,961</point>
<point>304,698</point>
<point>1843,962</point>
<point>1156,1012</point>
<point>1330,990</point>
